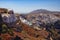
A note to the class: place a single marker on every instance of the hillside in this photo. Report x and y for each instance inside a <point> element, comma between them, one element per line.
<point>44,11</point>
<point>37,25</point>
<point>41,16</point>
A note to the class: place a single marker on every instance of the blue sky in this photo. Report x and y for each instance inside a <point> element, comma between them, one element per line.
<point>25,6</point>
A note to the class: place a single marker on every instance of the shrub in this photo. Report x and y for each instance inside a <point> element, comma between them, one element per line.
<point>10,31</point>
<point>4,28</point>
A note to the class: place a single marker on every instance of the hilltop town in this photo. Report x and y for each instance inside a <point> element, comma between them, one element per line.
<point>36,25</point>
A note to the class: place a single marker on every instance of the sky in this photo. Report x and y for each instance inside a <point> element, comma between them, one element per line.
<point>26,6</point>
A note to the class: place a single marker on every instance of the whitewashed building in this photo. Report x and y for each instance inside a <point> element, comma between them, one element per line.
<point>25,21</point>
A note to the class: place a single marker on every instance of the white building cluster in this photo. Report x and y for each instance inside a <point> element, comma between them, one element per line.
<point>25,21</point>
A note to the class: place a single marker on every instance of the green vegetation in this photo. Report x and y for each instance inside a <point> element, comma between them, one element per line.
<point>10,31</point>
<point>5,29</point>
